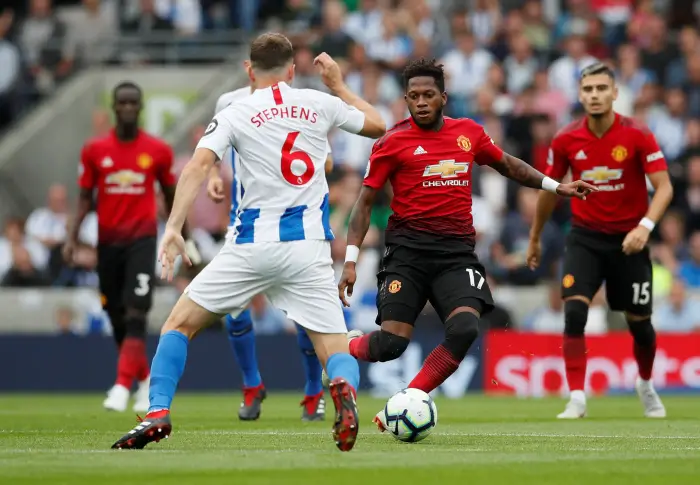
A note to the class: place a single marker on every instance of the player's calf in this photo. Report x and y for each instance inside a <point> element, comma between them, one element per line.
<point>644,337</point>
<point>574,350</point>
<point>461,330</point>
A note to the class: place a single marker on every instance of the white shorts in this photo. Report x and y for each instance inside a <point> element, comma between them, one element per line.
<point>296,276</point>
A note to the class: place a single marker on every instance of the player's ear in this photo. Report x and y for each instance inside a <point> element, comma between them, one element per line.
<point>444,97</point>
<point>251,73</point>
<point>290,73</point>
<point>615,92</point>
<point>246,64</point>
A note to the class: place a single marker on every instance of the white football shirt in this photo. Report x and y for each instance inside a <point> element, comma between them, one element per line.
<point>281,135</point>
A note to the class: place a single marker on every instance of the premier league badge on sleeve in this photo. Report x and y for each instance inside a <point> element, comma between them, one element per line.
<point>212,127</point>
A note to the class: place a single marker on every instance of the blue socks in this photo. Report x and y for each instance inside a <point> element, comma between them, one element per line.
<point>345,366</point>
<point>312,366</point>
<point>166,369</point>
<point>240,334</point>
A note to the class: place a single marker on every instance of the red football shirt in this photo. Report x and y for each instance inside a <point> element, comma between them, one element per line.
<point>124,174</point>
<point>430,174</point>
<point>616,163</point>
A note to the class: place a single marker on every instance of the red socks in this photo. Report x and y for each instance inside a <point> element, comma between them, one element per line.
<point>575,360</point>
<point>359,347</point>
<point>438,366</point>
<point>132,363</point>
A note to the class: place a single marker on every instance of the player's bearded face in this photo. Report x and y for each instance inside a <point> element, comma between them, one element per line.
<point>127,105</point>
<point>597,93</point>
<point>425,101</point>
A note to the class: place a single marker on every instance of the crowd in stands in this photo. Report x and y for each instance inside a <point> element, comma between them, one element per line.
<point>512,66</point>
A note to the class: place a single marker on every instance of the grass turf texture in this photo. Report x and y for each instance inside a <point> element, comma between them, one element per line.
<point>65,439</point>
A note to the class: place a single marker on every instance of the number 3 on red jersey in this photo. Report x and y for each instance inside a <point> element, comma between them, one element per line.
<point>289,156</point>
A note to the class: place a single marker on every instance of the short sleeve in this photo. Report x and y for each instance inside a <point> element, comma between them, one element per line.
<point>486,151</point>
<point>557,162</point>
<point>380,166</point>
<point>650,154</point>
<point>166,174</point>
<point>218,136</point>
<point>342,115</point>
<point>86,169</point>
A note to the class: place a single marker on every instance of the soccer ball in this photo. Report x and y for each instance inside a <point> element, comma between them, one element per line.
<point>410,415</point>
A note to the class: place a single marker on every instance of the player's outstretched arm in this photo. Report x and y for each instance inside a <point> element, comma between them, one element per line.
<point>215,185</point>
<point>516,169</point>
<point>638,237</point>
<point>357,230</point>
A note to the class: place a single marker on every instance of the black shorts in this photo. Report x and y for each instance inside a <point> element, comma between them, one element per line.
<point>592,258</point>
<point>126,274</point>
<point>410,277</point>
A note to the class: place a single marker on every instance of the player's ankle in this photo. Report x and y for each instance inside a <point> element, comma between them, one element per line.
<point>578,395</point>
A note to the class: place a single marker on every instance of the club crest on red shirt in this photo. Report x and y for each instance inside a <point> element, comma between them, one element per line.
<point>464,143</point>
<point>145,161</point>
<point>619,153</point>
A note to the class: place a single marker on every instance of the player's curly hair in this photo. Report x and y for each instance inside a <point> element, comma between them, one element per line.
<point>424,67</point>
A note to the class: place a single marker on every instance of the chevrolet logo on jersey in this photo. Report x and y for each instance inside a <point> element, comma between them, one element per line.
<point>601,175</point>
<point>446,169</point>
<point>125,182</point>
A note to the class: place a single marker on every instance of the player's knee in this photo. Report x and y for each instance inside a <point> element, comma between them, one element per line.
<point>240,325</point>
<point>135,323</point>
<point>461,330</point>
<point>575,317</point>
<point>642,330</point>
<point>388,346</point>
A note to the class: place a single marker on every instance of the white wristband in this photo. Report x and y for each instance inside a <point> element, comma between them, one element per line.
<point>351,254</point>
<point>648,223</point>
<point>550,185</point>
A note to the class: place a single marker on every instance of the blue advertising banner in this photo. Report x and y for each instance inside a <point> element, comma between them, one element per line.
<point>72,363</point>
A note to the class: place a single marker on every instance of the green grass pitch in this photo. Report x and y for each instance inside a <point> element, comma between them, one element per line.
<point>60,439</point>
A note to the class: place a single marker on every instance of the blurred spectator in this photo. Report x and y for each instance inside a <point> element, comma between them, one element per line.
<point>658,52</point>
<point>668,124</point>
<point>564,72</point>
<point>10,72</point>
<point>484,21</point>
<point>23,273</point>
<point>672,248</point>
<point>691,86</point>
<point>687,197</point>
<point>14,236</point>
<point>334,40</point>
<point>595,39</point>
<point>689,45</point>
<point>48,224</point>
<point>101,122</point>
<point>427,26</point>
<point>41,39</point>
<point>466,67</point>
<point>630,72</point>
<point>305,73</point>
<point>550,101</point>
<point>391,48</point>
<point>573,21</point>
<point>520,65</point>
<point>677,313</point>
<point>689,270</point>
<point>90,36</point>
<point>508,254</point>
<point>65,320</point>
<point>365,24</point>
<point>147,20</point>
<point>536,29</point>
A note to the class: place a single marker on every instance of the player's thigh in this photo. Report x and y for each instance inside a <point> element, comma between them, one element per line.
<point>628,283</point>
<point>139,277</point>
<point>457,282</point>
<point>230,281</point>
<point>305,287</point>
<point>402,285</point>
<point>584,267</point>
<point>111,272</point>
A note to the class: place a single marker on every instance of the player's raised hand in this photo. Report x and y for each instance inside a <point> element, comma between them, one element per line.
<point>635,240</point>
<point>172,245</point>
<point>578,189</point>
<point>347,282</point>
<point>533,254</point>
<point>329,70</point>
<point>215,189</point>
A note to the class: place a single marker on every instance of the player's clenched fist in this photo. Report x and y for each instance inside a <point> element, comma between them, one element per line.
<point>329,70</point>
<point>534,253</point>
<point>578,189</point>
<point>215,189</point>
<point>347,281</point>
<point>635,240</point>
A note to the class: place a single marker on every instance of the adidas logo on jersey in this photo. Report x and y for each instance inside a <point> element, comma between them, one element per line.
<point>420,151</point>
<point>580,155</point>
<point>107,162</point>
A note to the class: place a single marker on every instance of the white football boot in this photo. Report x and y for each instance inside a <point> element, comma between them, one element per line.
<point>576,407</point>
<point>117,399</point>
<point>141,401</point>
<point>653,407</point>
<point>352,334</point>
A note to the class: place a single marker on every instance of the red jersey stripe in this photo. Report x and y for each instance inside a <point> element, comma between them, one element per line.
<point>277,94</point>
